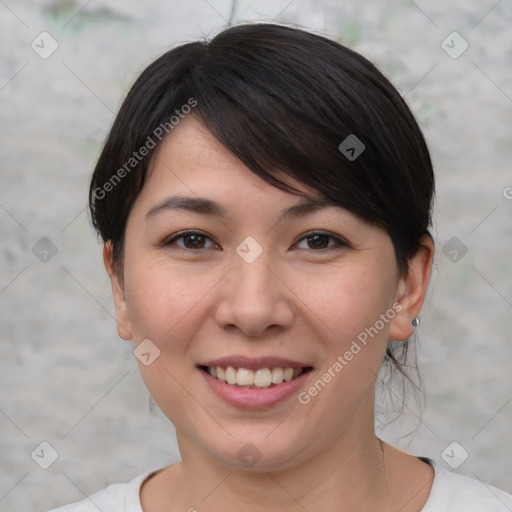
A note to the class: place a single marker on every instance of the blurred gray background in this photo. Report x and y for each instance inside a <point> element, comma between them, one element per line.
<point>68,380</point>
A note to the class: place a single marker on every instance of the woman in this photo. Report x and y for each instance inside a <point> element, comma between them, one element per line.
<point>265,202</point>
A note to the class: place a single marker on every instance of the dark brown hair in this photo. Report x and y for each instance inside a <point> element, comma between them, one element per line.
<point>278,98</point>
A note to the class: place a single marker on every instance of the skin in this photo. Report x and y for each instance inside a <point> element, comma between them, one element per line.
<point>294,301</point>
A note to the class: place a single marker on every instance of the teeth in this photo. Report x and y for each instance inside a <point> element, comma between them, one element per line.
<point>245,377</point>
<point>221,374</point>
<point>288,374</point>
<point>277,376</point>
<point>262,378</point>
<point>231,375</point>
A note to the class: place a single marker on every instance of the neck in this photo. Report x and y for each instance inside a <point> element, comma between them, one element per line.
<point>347,475</point>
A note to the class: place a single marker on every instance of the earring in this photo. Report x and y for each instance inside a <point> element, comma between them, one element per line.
<point>416,321</point>
<point>151,406</point>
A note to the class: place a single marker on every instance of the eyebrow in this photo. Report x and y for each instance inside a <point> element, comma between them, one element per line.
<point>209,207</point>
<point>199,205</point>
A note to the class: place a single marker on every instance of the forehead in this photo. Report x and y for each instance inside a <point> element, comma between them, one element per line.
<point>191,158</point>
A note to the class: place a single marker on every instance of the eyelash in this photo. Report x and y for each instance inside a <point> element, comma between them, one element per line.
<point>338,242</point>
<point>183,234</point>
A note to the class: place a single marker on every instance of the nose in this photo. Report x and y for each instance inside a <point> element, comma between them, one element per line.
<point>255,298</point>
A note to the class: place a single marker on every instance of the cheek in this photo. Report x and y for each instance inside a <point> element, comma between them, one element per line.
<point>347,302</point>
<point>162,300</point>
<point>164,304</point>
<point>352,337</point>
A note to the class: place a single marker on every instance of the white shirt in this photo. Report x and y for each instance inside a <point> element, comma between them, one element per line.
<point>450,493</point>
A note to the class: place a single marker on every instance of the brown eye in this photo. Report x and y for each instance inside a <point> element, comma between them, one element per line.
<point>320,241</point>
<point>190,240</point>
<point>193,241</point>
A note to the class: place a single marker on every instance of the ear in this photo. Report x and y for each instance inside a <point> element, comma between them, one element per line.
<point>411,290</point>
<point>124,327</point>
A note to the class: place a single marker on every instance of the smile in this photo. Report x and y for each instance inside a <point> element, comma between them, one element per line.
<point>254,383</point>
<point>254,379</point>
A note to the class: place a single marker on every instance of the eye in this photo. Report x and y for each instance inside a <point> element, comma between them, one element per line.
<point>190,240</point>
<point>320,241</point>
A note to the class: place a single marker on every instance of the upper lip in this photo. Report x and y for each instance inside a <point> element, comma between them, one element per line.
<point>254,363</point>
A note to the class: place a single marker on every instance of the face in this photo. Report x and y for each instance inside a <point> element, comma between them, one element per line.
<point>223,270</point>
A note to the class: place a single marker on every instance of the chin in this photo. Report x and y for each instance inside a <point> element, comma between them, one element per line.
<point>253,452</point>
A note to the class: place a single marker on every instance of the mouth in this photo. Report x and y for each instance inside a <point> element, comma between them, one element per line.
<point>254,383</point>
<point>259,378</point>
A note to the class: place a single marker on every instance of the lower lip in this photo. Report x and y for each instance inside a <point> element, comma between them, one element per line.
<point>244,398</point>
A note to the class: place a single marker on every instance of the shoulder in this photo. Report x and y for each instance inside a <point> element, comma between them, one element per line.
<point>114,498</point>
<point>452,492</point>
